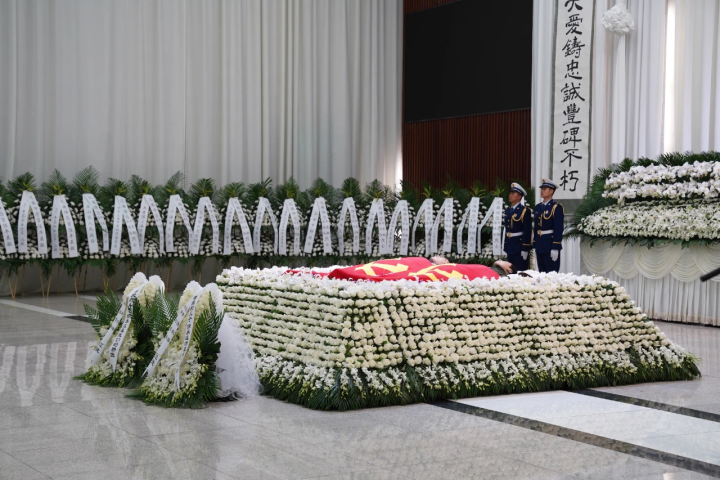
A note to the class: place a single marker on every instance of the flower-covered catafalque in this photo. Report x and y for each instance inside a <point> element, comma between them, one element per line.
<point>338,344</point>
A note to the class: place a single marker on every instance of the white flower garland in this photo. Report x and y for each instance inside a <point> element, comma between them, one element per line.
<point>654,219</point>
<point>697,180</point>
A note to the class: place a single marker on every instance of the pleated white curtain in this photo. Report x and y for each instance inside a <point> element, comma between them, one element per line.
<point>694,124</point>
<point>234,90</point>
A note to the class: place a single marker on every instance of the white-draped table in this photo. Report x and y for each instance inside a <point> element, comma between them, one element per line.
<point>663,280</point>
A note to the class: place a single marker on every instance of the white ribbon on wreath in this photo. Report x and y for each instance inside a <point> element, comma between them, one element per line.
<point>234,209</point>
<point>8,239</point>
<point>93,212</point>
<point>319,211</point>
<point>123,316</point>
<point>496,212</point>
<point>377,211</point>
<point>27,203</point>
<point>147,205</point>
<point>175,205</point>
<point>446,213</point>
<point>205,204</point>
<point>263,208</point>
<point>471,218</point>
<point>188,311</point>
<point>60,207</point>
<point>402,211</point>
<point>289,212</point>
<point>348,207</point>
<point>122,213</point>
<point>427,209</point>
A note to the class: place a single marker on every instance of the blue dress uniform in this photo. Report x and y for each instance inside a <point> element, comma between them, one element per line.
<point>549,226</point>
<point>518,231</point>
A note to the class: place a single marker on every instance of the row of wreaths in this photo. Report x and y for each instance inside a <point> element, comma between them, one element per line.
<point>85,222</point>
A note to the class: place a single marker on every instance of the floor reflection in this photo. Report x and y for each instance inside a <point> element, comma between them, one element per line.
<point>29,369</point>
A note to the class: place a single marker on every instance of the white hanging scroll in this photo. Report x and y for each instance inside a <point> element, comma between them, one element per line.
<point>319,211</point>
<point>289,213</point>
<point>402,211</point>
<point>348,207</point>
<point>147,205</point>
<point>446,212</point>
<point>471,218</point>
<point>175,205</point>
<point>204,204</point>
<point>27,203</point>
<point>120,214</point>
<point>60,207</point>
<point>123,316</point>
<point>570,166</point>
<point>8,239</point>
<point>92,212</point>
<point>495,212</point>
<point>234,209</point>
<point>377,210</point>
<point>427,209</point>
<point>263,208</point>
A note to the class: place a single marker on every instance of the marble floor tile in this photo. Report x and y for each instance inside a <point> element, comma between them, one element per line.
<point>378,474</point>
<point>169,421</point>
<point>479,466</point>
<point>627,426</point>
<point>13,469</point>
<point>117,449</point>
<point>589,462</point>
<point>180,470</point>
<point>699,446</point>
<point>15,417</point>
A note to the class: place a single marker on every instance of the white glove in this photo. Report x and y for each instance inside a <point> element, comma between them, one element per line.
<point>554,254</point>
<point>524,255</point>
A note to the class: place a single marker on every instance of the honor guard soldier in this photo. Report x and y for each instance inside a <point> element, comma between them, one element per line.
<point>549,226</point>
<point>518,229</point>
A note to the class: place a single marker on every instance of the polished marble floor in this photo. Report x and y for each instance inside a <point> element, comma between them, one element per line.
<point>52,426</point>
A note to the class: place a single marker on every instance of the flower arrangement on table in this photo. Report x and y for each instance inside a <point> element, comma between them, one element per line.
<point>673,199</point>
<point>125,344</point>
<point>338,344</point>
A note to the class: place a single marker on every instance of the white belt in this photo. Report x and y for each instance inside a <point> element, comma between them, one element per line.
<point>516,234</point>
<point>545,232</point>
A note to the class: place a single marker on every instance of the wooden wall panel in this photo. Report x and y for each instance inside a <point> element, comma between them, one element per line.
<point>410,6</point>
<point>479,147</point>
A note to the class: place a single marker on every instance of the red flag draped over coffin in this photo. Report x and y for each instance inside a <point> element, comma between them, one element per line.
<point>412,268</point>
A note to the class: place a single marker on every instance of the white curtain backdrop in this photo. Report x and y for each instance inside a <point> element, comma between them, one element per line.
<point>695,122</point>
<point>234,90</point>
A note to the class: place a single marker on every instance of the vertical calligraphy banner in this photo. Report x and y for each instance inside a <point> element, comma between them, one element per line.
<point>572,98</point>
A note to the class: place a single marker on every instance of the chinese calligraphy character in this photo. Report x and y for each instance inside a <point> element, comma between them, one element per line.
<point>570,111</point>
<point>569,155</point>
<point>573,4</point>
<point>571,92</point>
<point>573,24</point>
<point>567,178</point>
<point>573,47</point>
<point>572,70</point>
<point>572,138</point>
